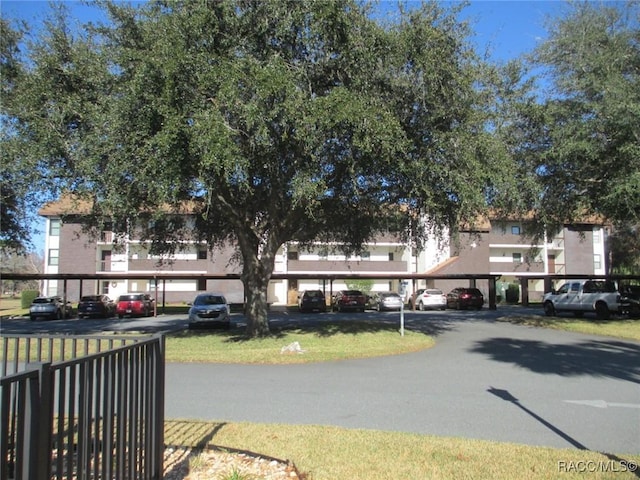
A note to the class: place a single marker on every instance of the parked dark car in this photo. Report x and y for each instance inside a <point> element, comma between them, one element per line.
<point>210,309</point>
<point>630,300</point>
<point>461,298</point>
<point>384,301</point>
<point>134,304</point>
<point>349,300</point>
<point>96,306</point>
<point>51,308</point>
<point>312,300</point>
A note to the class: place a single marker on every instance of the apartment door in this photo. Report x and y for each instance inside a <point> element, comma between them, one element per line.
<point>551,261</point>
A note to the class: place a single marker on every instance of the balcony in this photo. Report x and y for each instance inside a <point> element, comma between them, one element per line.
<point>333,266</point>
<point>512,267</point>
<point>105,238</point>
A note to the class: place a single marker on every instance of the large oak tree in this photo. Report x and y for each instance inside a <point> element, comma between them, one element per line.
<point>271,121</point>
<point>588,159</point>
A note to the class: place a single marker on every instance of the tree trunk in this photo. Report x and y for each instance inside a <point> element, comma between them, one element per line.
<point>256,274</point>
<point>256,284</point>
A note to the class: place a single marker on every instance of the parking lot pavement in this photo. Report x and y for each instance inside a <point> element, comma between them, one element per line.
<point>86,326</point>
<point>278,317</point>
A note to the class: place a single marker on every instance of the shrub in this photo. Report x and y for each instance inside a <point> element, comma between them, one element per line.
<point>27,296</point>
<point>513,293</point>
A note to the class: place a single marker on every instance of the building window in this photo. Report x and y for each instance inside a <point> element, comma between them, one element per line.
<point>202,284</point>
<point>292,255</point>
<point>515,230</point>
<point>391,256</point>
<point>517,257</point>
<point>54,227</point>
<point>202,254</point>
<point>365,255</point>
<point>596,236</point>
<point>54,254</point>
<point>597,261</point>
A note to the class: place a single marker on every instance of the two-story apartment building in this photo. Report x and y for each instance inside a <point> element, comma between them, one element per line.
<point>492,246</point>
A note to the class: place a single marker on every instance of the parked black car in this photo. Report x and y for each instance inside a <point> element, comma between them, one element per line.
<point>630,300</point>
<point>52,308</point>
<point>96,306</point>
<point>461,298</point>
<point>312,300</point>
<point>349,300</point>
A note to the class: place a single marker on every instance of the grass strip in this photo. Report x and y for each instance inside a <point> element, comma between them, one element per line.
<point>329,453</point>
<point>325,341</point>
<point>626,328</point>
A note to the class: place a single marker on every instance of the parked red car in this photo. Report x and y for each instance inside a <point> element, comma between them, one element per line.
<point>349,300</point>
<point>134,305</point>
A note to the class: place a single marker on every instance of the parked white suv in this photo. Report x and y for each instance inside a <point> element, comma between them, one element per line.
<point>581,296</point>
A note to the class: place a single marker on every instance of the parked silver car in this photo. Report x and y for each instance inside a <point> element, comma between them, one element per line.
<point>51,308</point>
<point>210,309</point>
<point>385,301</point>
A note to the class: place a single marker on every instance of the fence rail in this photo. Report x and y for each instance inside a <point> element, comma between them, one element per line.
<point>86,407</point>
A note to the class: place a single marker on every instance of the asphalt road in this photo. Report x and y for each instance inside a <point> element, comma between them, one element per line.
<point>483,379</point>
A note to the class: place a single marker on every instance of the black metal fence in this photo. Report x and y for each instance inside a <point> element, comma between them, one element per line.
<point>82,407</point>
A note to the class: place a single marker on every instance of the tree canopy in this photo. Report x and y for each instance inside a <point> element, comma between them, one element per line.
<point>277,121</point>
<point>306,120</point>
<point>588,161</point>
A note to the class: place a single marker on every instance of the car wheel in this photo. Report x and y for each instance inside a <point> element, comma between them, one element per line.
<point>120,316</point>
<point>59,315</point>
<point>549,309</point>
<point>421,306</point>
<point>33,318</point>
<point>602,311</point>
<point>443,308</point>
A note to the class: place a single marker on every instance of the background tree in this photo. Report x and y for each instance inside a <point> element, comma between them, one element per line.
<point>590,124</point>
<point>14,194</point>
<point>270,121</point>
<point>625,250</point>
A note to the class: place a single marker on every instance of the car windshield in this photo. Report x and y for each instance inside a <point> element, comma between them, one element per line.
<point>43,300</point>
<point>209,300</point>
<point>352,292</point>
<point>434,292</point>
<point>90,298</point>
<point>313,293</point>
<point>129,298</point>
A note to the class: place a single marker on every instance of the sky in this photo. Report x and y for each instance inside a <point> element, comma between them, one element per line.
<point>508,28</point>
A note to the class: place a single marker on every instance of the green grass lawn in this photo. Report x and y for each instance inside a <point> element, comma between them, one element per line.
<point>329,453</point>
<point>625,328</point>
<point>326,341</point>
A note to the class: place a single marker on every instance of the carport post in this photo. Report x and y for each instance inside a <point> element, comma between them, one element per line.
<point>524,288</point>
<point>492,293</point>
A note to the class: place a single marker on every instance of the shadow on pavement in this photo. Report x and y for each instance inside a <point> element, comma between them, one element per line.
<point>603,358</point>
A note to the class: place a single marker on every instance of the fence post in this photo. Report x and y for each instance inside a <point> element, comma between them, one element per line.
<point>42,455</point>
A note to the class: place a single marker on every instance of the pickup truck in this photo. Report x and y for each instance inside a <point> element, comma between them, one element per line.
<point>582,296</point>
